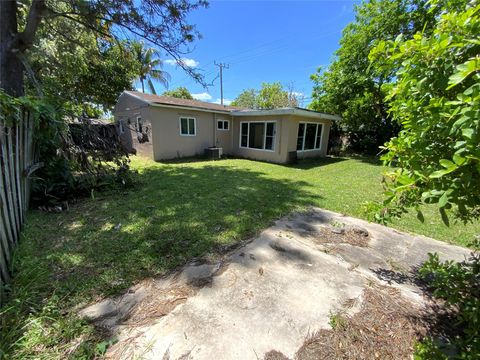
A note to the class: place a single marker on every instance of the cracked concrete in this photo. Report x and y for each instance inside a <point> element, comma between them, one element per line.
<point>268,294</point>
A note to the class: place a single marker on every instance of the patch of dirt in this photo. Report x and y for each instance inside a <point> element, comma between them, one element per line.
<point>353,236</point>
<point>275,355</point>
<point>386,327</point>
<point>159,304</point>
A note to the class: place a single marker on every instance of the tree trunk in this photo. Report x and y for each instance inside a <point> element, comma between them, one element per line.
<point>11,68</point>
<point>143,86</point>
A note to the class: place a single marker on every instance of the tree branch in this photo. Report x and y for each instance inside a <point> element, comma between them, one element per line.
<point>25,39</point>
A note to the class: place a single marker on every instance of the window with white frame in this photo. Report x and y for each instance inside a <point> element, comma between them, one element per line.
<point>223,125</point>
<point>188,126</point>
<point>258,135</point>
<point>309,136</point>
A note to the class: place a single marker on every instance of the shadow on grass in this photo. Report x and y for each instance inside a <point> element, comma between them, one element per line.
<point>311,163</point>
<point>102,246</point>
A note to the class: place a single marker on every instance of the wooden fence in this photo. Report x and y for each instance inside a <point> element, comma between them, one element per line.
<point>16,164</point>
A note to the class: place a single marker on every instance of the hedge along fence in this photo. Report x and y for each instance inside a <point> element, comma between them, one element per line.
<point>17,162</point>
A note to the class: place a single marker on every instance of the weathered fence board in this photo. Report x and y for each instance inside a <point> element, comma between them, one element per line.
<point>16,160</point>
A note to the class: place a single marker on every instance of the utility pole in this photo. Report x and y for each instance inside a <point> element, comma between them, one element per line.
<point>221,66</point>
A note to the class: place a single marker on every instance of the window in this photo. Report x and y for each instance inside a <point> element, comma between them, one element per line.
<point>187,126</point>
<point>223,125</point>
<point>309,136</point>
<point>120,127</point>
<point>139,124</point>
<point>244,135</point>
<point>258,135</point>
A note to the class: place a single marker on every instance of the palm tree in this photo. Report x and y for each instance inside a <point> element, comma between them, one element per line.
<point>150,63</point>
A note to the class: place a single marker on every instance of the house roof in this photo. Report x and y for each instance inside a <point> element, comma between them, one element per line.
<point>287,111</point>
<point>168,101</point>
<point>172,101</point>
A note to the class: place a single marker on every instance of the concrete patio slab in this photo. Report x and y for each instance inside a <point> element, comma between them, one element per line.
<point>268,294</point>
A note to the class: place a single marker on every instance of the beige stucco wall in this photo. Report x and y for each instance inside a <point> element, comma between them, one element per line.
<point>285,141</point>
<point>295,121</point>
<point>169,144</point>
<point>223,138</point>
<point>127,110</point>
<point>280,152</point>
<point>165,141</point>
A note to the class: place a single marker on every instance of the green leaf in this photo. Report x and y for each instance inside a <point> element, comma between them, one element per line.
<point>457,124</point>
<point>420,216</point>
<point>447,164</point>
<point>443,200</point>
<point>444,216</point>
<point>468,133</point>
<point>463,71</point>
<point>439,173</point>
<point>458,159</point>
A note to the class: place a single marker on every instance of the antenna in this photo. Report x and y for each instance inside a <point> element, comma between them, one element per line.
<point>221,66</point>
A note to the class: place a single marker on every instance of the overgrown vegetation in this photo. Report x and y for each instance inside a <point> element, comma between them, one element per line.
<point>458,283</point>
<point>436,99</point>
<point>354,87</point>
<point>75,158</point>
<point>102,245</point>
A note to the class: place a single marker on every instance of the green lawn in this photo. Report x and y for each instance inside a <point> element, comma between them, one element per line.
<point>173,212</point>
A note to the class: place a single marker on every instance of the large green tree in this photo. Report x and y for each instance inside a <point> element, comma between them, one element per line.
<point>436,155</point>
<point>163,24</point>
<point>246,99</point>
<point>355,88</point>
<point>270,96</point>
<point>78,68</point>
<point>436,99</point>
<point>180,92</point>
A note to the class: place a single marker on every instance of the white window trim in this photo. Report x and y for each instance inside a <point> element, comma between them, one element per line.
<point>264,135</point>
<point>223,121</point>
<point>188,125</point>
<point>316,135</point>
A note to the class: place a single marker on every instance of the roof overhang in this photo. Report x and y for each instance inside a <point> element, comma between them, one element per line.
<point>287,111</point>
<point>283,111</point>
<point>193,108</point>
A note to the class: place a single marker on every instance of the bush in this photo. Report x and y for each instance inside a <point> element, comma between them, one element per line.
<point>458,284</point>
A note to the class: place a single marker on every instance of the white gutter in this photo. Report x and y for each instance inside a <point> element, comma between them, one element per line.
<point>287,111</point>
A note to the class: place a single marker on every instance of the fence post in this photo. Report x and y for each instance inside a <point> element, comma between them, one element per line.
<point>16,158</point>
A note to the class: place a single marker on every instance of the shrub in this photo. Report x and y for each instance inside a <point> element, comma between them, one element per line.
<point>74,159</point>
<point>458,284</point>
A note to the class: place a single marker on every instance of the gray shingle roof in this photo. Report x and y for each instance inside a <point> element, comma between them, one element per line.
<point>168,100</point>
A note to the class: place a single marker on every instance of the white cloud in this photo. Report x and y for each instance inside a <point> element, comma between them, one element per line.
<point>186,61</point>
<point>225,101</point>
<point>298,94</point>
<point>202,96</point>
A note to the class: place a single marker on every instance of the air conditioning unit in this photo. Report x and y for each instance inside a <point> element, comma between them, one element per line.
<point>213,153</point>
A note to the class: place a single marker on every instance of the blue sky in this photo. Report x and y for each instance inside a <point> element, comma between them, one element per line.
<point>262,41</point>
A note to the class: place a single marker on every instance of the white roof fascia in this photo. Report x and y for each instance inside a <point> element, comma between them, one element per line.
<point>291,111</point>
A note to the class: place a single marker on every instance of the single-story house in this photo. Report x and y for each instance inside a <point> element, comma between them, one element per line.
<point>164,128</point>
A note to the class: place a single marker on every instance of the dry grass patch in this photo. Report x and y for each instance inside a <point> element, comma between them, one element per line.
<point>386,327</point>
